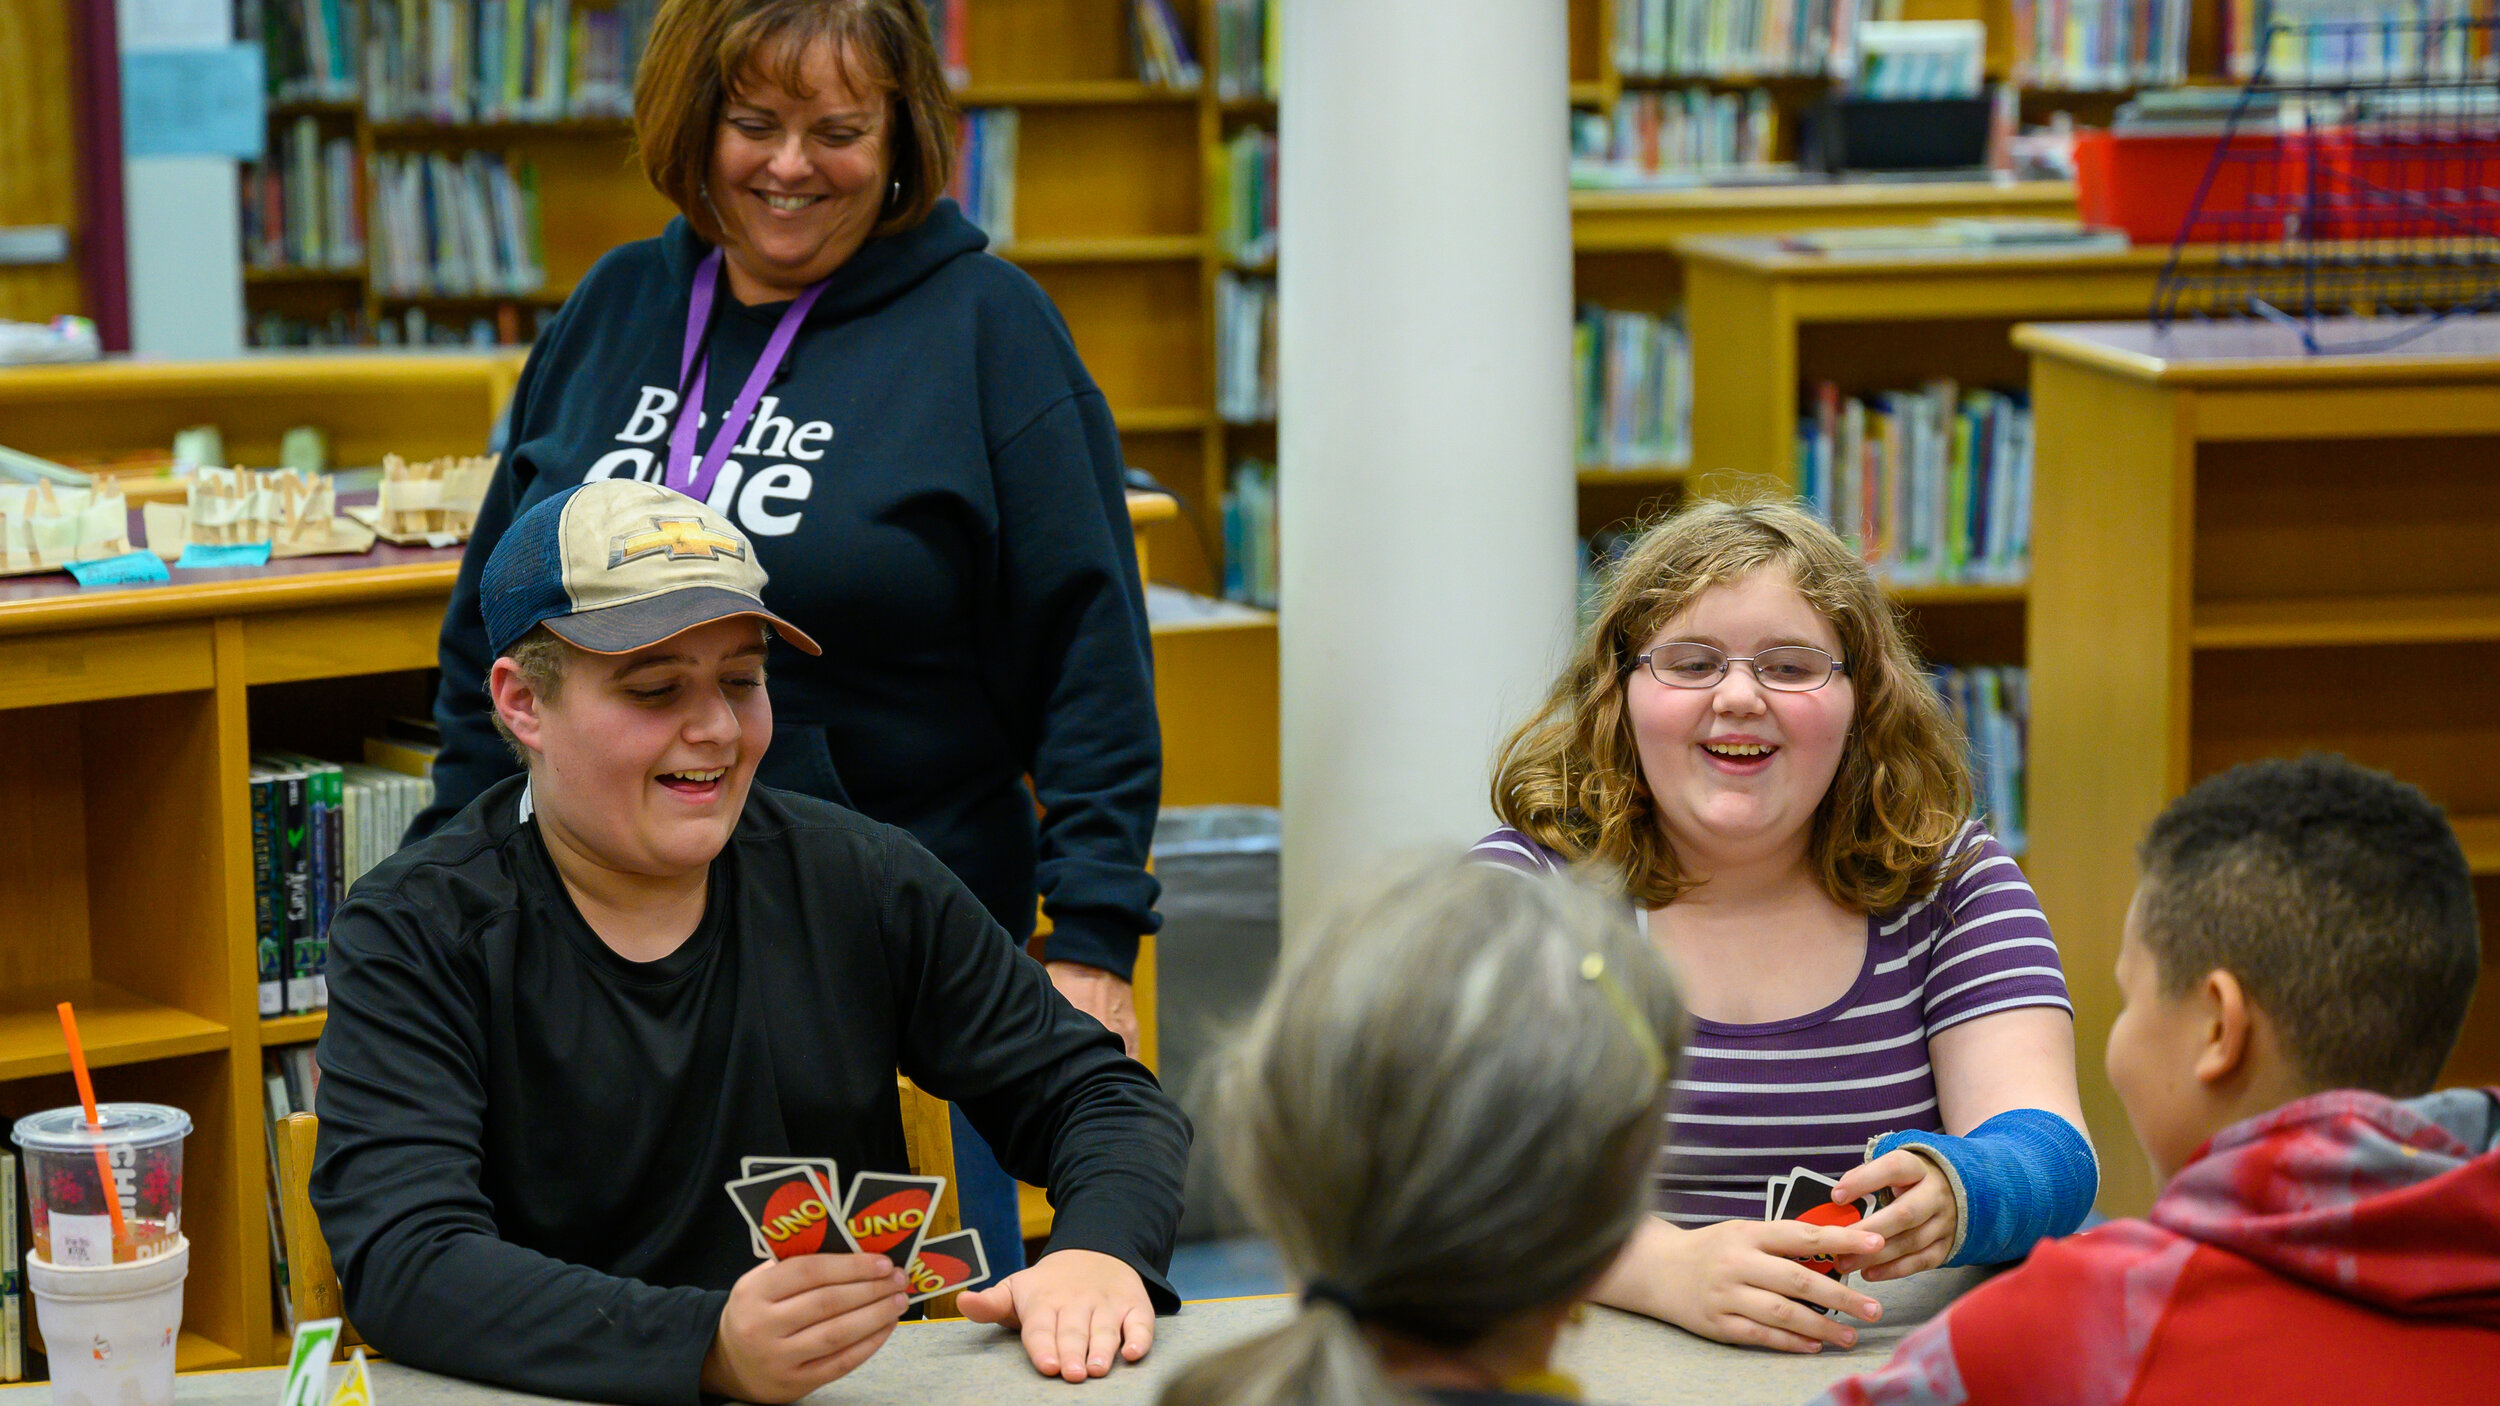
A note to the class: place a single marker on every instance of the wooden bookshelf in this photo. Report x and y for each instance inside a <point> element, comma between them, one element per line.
<point>2243,550</point>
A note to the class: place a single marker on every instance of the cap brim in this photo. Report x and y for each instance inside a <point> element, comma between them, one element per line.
<point>622,629</point>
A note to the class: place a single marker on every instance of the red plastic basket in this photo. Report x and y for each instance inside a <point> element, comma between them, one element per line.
<point>2404,185</point>
<point>2146,185</point>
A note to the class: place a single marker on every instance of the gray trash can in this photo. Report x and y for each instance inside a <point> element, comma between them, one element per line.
<point>1214,957</point>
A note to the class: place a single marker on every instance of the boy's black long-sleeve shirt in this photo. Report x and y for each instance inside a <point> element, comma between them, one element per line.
<point>935,485</point>
<point>524,1136</point>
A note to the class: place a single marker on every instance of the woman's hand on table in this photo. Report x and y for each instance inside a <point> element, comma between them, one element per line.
<point>793,1325</point>
<point>1101,995</point>
<point>1918,1227</point>
<point>1738,1282</point>
<point>1076,1309</point>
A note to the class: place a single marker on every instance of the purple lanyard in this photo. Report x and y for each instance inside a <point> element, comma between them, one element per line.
<point>687,477</point>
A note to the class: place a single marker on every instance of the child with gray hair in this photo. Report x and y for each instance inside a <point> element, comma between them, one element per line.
<point>1444,1114</point>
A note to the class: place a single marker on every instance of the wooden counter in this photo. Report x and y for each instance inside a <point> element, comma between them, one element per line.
<point>1652,221</point>
<point>2245,551</point>
<point>1765,322</point>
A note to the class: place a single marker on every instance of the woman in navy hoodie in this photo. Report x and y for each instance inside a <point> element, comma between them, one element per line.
<point>900,424</point>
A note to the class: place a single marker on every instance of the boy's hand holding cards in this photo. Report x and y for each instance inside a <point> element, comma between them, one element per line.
<point>790,1209</point>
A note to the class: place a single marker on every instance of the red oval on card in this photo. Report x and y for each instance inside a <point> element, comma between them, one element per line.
<point>930,1273</point>
<point>1830,1213</point>
<point>889,1221</point>
<point>795,1221</point>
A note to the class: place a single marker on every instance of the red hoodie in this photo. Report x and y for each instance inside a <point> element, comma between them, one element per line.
<point>2345,1247</point>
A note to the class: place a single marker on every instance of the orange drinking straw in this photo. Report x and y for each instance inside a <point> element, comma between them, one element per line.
<point>86,1096</point>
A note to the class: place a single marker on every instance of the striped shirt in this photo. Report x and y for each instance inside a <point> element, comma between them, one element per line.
<point>1754,1101</point>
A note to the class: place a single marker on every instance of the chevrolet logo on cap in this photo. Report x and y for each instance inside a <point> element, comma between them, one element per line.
<point>682,538</point>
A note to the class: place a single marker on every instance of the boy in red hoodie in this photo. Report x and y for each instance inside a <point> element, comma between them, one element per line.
<point>2295,968</point>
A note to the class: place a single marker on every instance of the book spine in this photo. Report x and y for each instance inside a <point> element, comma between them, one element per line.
<point>334,874</point>
<point>12,1278</point>
<point>268,898</point>
<point>295,872</point>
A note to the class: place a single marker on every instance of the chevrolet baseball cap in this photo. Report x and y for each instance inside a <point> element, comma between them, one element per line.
<point>616,564</point>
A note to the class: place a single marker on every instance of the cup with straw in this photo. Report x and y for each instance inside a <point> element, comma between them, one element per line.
<point>103,1180</point>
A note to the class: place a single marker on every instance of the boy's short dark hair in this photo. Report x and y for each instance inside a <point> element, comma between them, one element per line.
<point>2339,898</point>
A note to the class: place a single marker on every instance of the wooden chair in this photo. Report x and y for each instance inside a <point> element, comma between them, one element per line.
<point>313,1283</point>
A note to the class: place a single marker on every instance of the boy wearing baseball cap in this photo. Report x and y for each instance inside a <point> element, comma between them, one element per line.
<point>558,1023</point>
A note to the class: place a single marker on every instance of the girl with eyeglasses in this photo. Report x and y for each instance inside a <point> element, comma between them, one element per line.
<point>1744,745</point>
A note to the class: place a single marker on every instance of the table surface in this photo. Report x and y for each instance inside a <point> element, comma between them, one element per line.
<point>1616,1356</point>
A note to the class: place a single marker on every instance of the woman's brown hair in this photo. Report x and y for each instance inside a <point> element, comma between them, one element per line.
<point>1570,777</point>
<point>701,52</point>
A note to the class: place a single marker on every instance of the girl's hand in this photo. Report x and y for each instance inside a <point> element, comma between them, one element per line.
<point>1918,1227</point>
<point>1739,1281</point>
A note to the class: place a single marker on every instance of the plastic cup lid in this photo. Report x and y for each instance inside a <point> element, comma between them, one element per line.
<point>124,1124</point>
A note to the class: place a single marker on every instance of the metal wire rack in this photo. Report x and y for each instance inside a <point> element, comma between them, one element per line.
<point>2358,174</point>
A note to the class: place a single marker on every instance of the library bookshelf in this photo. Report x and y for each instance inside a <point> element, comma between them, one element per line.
<point>2251,549</point>
<point>128,718</point>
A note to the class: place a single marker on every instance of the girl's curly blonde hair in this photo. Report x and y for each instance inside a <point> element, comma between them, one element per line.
<point>1570,777</point>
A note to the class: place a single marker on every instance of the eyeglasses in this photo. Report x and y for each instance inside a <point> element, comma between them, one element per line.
<point>1787,668</point>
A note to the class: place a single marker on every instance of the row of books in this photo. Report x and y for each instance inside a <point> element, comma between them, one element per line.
<point>1246,196</point>
<point>2361,39</point>
<point>502,60</point>
<point>1632,374</point>
<point>1993,705</point>
<point>317,826</point>
<point>2100,44</point>
<point>1245,49</point>
<point>985,171</point>
<point>1250,534</point>
<point>1160,45</point>
<point>460,225</point>
<point>1245,347</point>
<point>1934,485</point>
<point>1690,38</point>
<point>302,208</point>
<point>308,47</point>
<point>290,1079</point>
<point>1685,130</point>
<point>509,325</point>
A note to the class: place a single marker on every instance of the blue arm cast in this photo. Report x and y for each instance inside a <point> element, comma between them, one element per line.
<point>2020,1177</point>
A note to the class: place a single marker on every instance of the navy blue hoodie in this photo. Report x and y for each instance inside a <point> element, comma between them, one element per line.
<point>934,484</point>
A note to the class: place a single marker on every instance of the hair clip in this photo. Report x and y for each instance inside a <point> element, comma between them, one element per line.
<point>1593,968</point>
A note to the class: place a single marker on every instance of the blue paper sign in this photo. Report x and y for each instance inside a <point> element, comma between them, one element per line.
<point>127,569</point>
<point>195,556</point>
<point>193,102</point>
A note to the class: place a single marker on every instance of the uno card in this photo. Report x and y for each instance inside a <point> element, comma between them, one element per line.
<point>1774,1197</point>
<point>1809,1199</point>
<point>790,1212</point>
<point>888,1214</point>
<point>828,1177</point>
<point>948,1263</point>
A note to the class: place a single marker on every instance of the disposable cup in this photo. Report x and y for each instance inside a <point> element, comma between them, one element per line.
<point>66,1194</point>
<point>109,1330</point>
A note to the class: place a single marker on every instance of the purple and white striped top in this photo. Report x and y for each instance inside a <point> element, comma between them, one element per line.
<point>1753,1101</point>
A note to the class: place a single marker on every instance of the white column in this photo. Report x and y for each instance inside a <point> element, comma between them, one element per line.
<point>1425,490</point>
